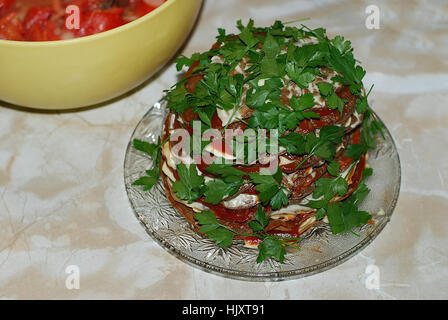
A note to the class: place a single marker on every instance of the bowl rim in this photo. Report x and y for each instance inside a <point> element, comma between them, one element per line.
<point>33,44</point>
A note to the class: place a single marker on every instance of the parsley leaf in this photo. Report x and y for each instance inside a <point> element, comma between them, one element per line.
<point>261,220</point>
<point>323,146</point>
<point>271,248</point>
<point>270,189</point>
<point>329,188</point>
<point>341,45</point>
<point>270,46</point>
<point>301,76</point>
<point>344,216</point>
<point>224,170</point>
<point>294,142</point>
<point>320,213</point>
<point>333,168</point>
<point>210,225</point>
<point>217,189</point>
<point>189,186</point>
<point>222,236</point>
<point>306,101</point>
<point>368,141</point>
<point>325,88</point>
<point>153,150</point>
<point>334,102</point>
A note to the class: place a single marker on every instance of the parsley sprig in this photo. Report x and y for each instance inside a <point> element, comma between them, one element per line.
<point>345,215</point>
<point>270,188</point>
<point>269,246</point>
<point>152,175</point>
<point>323,146</point>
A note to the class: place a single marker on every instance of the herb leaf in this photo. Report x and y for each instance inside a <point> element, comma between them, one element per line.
<point>217,189</point>
<point>189,186</point>
<point>344,216</point>
<point>210,225</point>
<point>271,248</point>
<point>270,189</point>
<point>152,175</point>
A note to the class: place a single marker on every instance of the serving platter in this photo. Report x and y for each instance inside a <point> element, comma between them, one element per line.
<point>320,250</point>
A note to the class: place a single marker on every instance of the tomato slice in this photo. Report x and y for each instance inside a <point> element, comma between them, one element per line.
<point>146,6</point>
<point>38,26</point>
<point>5,5</point>
<point>96,21</point>
<point>11,28</point>
<point>87,5</point>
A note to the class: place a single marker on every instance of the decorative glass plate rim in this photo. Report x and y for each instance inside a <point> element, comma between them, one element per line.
<point>263,276</point>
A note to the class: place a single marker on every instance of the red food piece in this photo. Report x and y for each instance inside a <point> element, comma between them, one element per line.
<point>37,15</point>
<point>143,7</point>
<point>100,20</point>
<point>5,5</point>
<point>234,215</point>
<point>11,28</point>
<point>87,5</point>
<point>38,26</point>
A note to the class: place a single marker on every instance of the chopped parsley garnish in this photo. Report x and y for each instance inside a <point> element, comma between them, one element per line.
<point>152,175</point>
<point>344,216</point>
<point>269,245</point>
<point>189,186</point>
<point>323,146</point>
<point>271,191</point>
<point>218,189</point>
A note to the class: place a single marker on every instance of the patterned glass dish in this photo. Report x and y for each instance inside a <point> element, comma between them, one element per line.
<point>320,250</point>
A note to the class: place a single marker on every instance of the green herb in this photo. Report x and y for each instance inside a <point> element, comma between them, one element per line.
<point>218,189</point>
<point>152,175</point>
<point>189,186</point>
<point>344,216</point>
<point>269,246</point>
<point>225,170</point>
<point>271,191</point>
<point>270,117</point>
<point>294,142</point>
<point>329,188</point>
<point>333,168</point>
<point>325,88</point>
<point>368,141</point>
<point>210,225</point>
<point>323,146</point>
<point>320,213</point>
<point>334,102</point>
<point>306,101</point>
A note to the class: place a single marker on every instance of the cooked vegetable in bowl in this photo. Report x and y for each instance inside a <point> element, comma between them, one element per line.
<point>45,20</point>
<point>79,72</point>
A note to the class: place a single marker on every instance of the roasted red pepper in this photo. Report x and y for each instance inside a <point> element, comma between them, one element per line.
<point>97,21</point>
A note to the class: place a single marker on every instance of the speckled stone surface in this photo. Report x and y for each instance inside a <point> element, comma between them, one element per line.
<point>63,202</point>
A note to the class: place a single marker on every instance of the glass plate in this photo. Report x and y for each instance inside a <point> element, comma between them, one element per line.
<point>320,249</point>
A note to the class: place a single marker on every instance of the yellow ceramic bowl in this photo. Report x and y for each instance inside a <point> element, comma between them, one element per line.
<point>80,72</point>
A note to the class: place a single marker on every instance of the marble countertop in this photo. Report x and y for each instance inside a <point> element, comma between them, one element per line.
<point>63,201</point>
